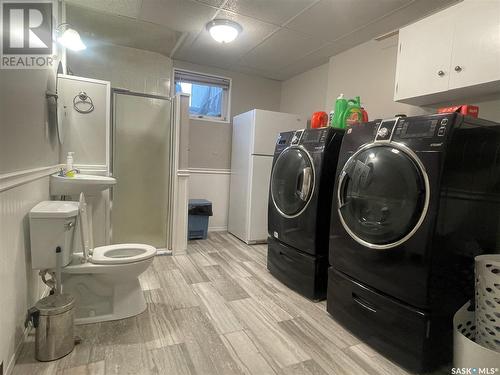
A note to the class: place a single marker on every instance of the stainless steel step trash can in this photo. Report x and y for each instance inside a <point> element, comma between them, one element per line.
<point>53,318</point>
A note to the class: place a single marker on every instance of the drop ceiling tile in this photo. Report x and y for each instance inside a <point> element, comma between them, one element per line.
<point>105,28</point>
<point>127,8</point>
<point>180,15</point>
<point>409,14</point>
<point>331,20</point>
<point>395,20</point>
<point>281,49</point>
<point>265,73</point>
<point>214,3</point>
<point>274,11</point>
<point>206,50</point>
<point>310,61</point>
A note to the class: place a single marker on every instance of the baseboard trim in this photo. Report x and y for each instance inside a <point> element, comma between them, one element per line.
<point>11,180</point>
<point>217,229</point>
<point>19,347</point>
<point>209,171</point>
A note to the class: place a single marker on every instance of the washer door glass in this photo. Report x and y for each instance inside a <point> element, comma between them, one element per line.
<point>292,181</point>
<point>381,195</point>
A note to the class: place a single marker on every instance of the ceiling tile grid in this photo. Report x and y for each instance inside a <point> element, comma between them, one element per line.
<point>204,48</point>
<point>280,38</point>
<point>180,15</point>
<point>280,49</point>
<point>127,8</point>
<point>274,11</point>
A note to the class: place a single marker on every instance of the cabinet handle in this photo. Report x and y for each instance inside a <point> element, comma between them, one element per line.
<point>458,69</point>
<point>440,73</point>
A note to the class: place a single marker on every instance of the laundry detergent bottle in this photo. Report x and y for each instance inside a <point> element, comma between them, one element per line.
<point>340,108</point>
<point>353,113</point>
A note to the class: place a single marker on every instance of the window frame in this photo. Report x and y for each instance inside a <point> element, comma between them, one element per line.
<point>226,101</point>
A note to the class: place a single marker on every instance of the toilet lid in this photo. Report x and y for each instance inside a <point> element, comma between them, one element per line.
<point>122,253</point>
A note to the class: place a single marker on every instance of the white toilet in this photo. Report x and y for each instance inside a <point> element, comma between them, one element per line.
<point>105,280</point>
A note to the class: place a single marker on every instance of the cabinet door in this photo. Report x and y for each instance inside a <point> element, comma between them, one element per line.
<point>476,47</point>
<point>424,53</point>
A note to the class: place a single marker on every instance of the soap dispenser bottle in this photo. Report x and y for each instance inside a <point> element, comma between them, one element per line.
<point>69,164</point>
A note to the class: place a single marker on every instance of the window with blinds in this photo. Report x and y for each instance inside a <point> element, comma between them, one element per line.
<point>209,95</point>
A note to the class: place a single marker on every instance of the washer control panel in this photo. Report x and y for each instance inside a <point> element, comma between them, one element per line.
<point>296,137</point>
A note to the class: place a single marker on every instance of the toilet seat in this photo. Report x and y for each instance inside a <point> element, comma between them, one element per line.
<point>122,253</point>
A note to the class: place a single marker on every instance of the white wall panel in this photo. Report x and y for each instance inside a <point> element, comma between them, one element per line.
<point>21,286</point>
<point>214,186</point>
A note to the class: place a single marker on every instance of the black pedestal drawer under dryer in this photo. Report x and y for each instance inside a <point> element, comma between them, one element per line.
<point>300,201</point>
<point>416,199</point>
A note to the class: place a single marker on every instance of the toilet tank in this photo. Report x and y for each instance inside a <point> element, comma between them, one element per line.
<point>52,225</point>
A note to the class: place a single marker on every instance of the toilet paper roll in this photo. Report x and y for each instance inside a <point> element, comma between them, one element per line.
<point>487,313</point>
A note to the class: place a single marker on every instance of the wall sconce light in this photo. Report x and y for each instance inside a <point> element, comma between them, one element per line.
<point>69,37</point>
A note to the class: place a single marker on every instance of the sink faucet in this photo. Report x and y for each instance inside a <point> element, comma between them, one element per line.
<point>63,173</point>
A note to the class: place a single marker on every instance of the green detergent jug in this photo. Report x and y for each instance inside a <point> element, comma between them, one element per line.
<point>340,108</point>
<point>347,112</point>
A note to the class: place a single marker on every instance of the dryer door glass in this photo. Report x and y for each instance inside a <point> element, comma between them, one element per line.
<point>381,195</point>
<point>292,181</point>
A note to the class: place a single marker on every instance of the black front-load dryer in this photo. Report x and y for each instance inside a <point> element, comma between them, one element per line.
<point>415,200</point>
<point>300,200</point>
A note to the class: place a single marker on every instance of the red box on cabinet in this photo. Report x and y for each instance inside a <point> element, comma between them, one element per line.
<point>464,109</point>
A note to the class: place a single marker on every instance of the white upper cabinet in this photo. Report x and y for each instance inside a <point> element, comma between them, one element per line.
<point>476,49</point>
<point>452,54</point>
<point>424,57</point>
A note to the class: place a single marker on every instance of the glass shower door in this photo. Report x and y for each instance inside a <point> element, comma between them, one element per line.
<point>141,165</point>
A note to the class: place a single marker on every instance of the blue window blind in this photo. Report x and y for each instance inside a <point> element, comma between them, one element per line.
<point>209,94</point>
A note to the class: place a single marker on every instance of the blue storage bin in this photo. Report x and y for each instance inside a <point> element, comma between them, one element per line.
<point>199,211</point>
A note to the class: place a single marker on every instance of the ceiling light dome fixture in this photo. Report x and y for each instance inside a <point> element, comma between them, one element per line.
<point>224,31</point>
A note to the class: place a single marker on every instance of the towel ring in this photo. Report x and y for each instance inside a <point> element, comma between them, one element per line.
<point>83,98</point>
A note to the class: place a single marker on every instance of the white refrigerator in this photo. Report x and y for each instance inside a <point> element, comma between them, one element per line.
<point>254,137</point>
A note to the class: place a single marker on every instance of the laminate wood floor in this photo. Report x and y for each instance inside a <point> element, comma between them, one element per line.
<point>216,310</point>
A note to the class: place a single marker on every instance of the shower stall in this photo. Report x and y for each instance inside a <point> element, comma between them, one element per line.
<point>142,163</point>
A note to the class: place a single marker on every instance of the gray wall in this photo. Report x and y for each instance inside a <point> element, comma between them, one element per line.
<point>305,93</point>
<point>368,71</point>
<point>210,142</point>
<point>124,67</point>
<point>27,138</point>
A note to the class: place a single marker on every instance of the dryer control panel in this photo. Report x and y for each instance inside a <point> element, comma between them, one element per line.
<point>385,130</point>
<point>283,141</point>
<point>427,129</point>
<point>431,130</point>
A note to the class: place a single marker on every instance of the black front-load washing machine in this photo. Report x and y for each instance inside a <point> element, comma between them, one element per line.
<point>300,200</point>
<point>416,199</point>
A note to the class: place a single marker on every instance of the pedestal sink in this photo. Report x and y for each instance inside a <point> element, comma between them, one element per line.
<point>80,183</point>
